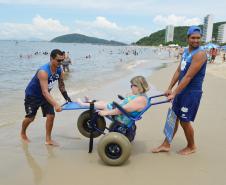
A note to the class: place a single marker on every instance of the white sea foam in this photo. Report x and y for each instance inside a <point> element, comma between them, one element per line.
<point>135,64</point>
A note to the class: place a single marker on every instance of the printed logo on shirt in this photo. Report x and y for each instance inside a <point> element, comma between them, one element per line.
<point>52,80</point>
<point>183,64</point>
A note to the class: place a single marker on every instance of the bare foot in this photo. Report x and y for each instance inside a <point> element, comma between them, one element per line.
<point>82,103</point>
<point>79,101</point>
<point>161,148</point>
<point>25,138</point>
<point>52,143</point>
<point>86,99</point>
<point>187,151</point>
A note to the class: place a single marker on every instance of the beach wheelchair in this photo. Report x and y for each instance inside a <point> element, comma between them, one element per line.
<point>114,148</point>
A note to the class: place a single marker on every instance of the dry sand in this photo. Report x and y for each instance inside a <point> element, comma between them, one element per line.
<point>218,68</point>
<point>71,164</point>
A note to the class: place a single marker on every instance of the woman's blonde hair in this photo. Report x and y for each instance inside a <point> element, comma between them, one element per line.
<point>141,83</point>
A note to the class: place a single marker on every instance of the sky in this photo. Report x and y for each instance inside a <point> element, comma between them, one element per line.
<point>121,20</point>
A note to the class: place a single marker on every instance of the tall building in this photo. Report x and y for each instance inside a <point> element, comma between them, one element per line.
<point>208,28</point>
<point>221,37</point>
<point>169,33</point>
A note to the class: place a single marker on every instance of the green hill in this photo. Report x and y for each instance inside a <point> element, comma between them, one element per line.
<point>79,38</point>
<point>180,36</point>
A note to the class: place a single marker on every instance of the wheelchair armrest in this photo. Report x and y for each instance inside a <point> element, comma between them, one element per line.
<point>120,97</point>
<point>122,110</point>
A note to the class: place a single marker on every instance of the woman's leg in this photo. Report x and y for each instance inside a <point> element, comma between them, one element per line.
<point>98,104</point>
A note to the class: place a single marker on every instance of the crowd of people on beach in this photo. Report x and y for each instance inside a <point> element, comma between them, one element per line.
<point>67,59</point>
<point>29,56</point>
<point>65,63</point>
<point>184,90</point>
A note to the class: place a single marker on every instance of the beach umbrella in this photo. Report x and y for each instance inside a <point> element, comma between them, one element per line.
<point>210,46</point>
<point>223,47</point>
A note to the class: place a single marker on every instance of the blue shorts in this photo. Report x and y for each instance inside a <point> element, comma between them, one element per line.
<point>186,104</point>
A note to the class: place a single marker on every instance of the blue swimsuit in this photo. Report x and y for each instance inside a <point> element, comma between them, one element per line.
<point>122,118</point>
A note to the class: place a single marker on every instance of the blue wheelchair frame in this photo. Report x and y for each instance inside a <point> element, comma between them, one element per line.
<point>123,128</point>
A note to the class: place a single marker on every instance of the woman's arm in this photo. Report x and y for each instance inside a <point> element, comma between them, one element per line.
<point>134,105</point>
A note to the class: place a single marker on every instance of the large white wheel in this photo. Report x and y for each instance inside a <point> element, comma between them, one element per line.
<point>114,148</point>
<point>85,128</point>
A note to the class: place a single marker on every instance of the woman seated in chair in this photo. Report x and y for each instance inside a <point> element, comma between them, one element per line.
<point>132,104</point>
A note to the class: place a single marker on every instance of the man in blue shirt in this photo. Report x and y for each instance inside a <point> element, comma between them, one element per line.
<point>37,94</point>
<point>187,95</point>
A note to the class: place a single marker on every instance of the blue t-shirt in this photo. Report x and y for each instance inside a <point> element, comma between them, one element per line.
<point>34,88</point>
<point>196,82</point>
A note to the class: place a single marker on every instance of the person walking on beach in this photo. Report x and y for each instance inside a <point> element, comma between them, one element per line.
<point>37,94</point>
<point>187,95</point>
<point>224,57</point>
<point>213,52</point>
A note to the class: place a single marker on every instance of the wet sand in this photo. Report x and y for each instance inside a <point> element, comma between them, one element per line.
<point>71,164</point>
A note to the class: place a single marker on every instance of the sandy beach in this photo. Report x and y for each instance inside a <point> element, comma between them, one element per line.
<point>71,164</point>
<point>218,68</point>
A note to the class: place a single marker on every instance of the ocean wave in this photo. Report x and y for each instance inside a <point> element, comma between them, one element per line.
<point>71,93</point>
<point>76,92</point>
<point>134,64</point>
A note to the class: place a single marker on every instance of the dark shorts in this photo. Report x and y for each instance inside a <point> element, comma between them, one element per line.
<point>32,104</point>
<point>185,105</point>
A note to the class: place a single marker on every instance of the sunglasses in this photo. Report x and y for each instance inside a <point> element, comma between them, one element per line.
<point>132,85</point>
<point>59,60</point>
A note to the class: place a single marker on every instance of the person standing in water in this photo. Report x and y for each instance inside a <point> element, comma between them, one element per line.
<point>37,94</point>
<point>187,95</point>
<point>66,62</point>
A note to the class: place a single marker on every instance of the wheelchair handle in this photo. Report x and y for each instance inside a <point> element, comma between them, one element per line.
<point>156,96</point>
<point>159,102</point>
<point>120,97</point>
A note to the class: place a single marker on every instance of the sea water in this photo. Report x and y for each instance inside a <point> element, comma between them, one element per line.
<point>92,67</point>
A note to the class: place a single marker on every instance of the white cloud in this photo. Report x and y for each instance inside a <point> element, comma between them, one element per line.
<point>103,28</point>
<point>102,22</point>
<point>47,29</point>
<point>176,20</point>
<point>49,25</point>
<point>39,28</point>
